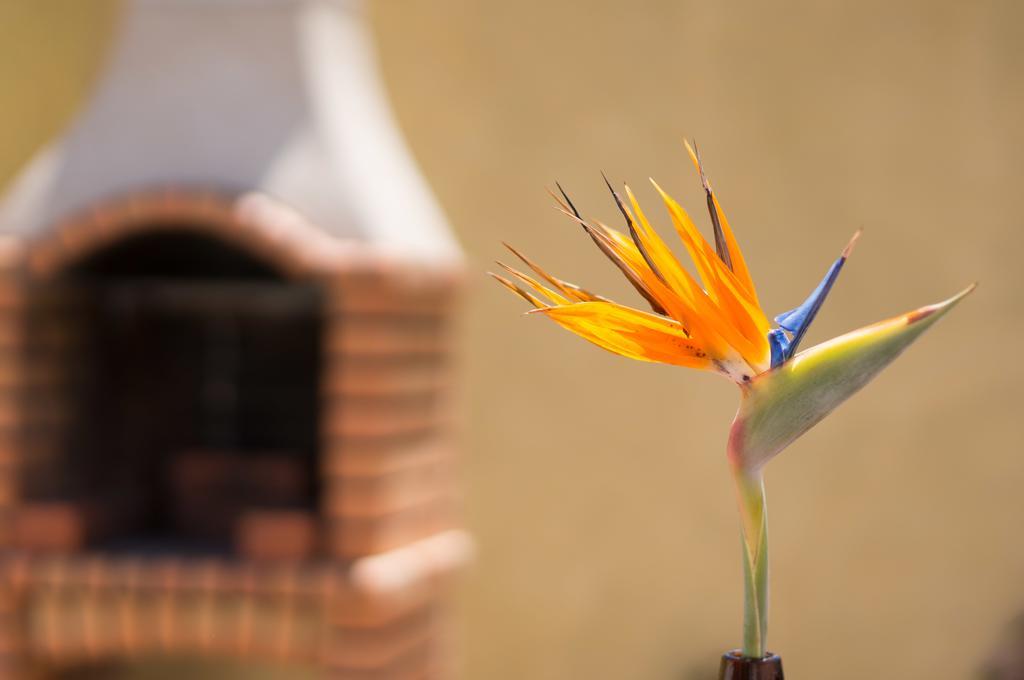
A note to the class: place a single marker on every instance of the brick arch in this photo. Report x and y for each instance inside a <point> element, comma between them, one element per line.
<point>388,522</point>
<point>252,222</point>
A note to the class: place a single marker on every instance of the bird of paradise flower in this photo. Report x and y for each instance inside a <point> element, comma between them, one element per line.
<point>716,323</point>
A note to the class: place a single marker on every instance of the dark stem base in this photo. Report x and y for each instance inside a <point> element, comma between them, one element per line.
<point>737,667</point>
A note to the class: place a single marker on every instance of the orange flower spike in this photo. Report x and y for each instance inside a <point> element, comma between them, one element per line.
<point>701,309</point>
<point>692,308</point>
<point>725,335</point>
<point>694,317</point>
<point>604,243</point>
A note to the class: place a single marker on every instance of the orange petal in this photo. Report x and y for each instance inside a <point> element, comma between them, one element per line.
<point>526,295</point>
<point>568,289</point>
<point>546,292</point>
<point>675,275</point>
<point>674,304</point>
<point>723,287</point>
<point>702,254</point>
<point>737,262</point>
<point>696,312</point>
<point>605,245</point>
<point>630,333</point>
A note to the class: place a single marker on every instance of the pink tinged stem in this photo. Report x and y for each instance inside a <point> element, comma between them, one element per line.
<point>783,403</point>
<point>753,513</point>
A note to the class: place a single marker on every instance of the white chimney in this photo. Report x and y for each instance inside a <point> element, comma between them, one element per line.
<point>274,96</point>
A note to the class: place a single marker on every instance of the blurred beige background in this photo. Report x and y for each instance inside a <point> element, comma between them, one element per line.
<point>597,487</point>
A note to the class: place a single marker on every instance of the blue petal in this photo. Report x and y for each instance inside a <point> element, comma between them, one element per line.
<point>778,341</point>
<point>786,319</point>
<point>796,321</point>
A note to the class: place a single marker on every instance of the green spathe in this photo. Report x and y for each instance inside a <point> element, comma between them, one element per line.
<point>782,404</point>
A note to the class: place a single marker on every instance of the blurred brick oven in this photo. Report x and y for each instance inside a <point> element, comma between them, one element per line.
<point>226,306</point>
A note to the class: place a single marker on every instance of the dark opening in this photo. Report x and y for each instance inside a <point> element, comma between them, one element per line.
<point>197,396</point>
<point>172,254</point>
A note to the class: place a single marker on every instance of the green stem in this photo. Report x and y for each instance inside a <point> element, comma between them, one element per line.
<point>750,490</point>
